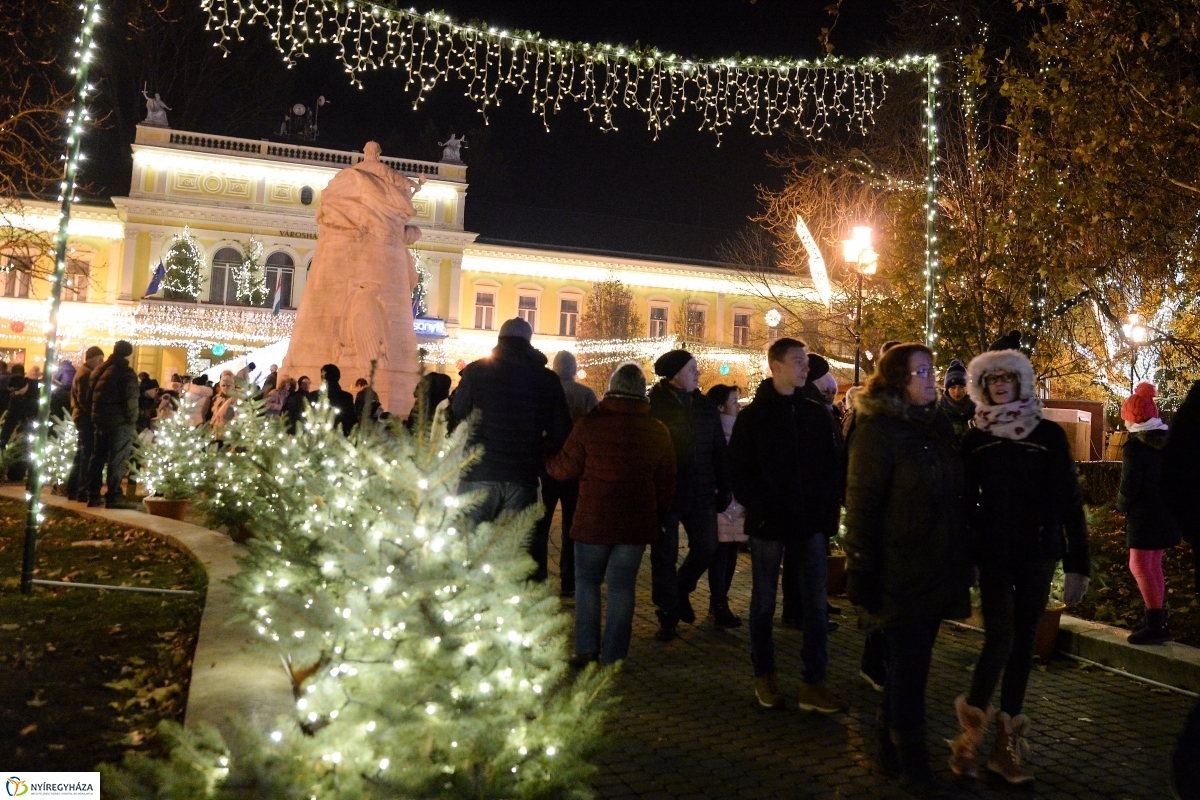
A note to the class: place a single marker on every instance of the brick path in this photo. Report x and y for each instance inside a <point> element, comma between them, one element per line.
<point>688,725</point>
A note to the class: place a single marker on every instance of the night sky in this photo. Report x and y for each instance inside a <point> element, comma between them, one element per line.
<point>577,186</point>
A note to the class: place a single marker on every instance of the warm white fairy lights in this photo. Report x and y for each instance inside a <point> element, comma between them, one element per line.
<point>249,276</point>
<point>811,94</point>
<point>85,46</point>
<point>185,266</point>
<point>931,246</point>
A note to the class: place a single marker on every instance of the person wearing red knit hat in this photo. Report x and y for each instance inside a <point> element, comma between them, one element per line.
<point>1150,528</point>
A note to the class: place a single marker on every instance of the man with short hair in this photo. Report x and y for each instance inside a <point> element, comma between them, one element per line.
<point>784,468</point>
<point>522,414</point>
<point>340,400</point>
<point>81,412</point>
<point>701,489</point>
<point>114,419</point>
<point>272,379</point>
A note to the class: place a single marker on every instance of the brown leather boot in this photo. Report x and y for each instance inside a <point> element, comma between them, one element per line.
<point>1011,749</point>
<point>964,751</point>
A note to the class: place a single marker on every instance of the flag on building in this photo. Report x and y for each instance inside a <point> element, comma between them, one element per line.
<point>278,302</point>
<point>156,281</point>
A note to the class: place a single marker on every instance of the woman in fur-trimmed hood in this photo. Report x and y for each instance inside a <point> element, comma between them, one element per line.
<point>1026,515</point>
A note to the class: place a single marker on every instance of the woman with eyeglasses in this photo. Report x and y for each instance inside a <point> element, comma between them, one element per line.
<point>906,542</point>
<point>1026,515</point>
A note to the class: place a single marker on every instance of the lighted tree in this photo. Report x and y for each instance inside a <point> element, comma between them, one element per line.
<point>424,664</point>
<point>609,313</point>
<point>60,451</point>
<point>249,276</point>
<point>173,464</point>
<point>184,263</point>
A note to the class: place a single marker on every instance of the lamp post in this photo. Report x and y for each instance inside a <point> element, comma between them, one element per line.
<point>858,252</point>
<point>1136,334</point>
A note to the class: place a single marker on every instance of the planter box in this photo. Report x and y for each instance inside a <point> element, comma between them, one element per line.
<point>1046,643</point>
<point>835,581</point>
<point>171,509</point>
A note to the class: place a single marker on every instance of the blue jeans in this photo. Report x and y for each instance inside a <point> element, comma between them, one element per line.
<point>501,496</point>
<point>667,584</point>
<point>113,445</point>
<point>910,651</point>
<point>616,564</point>
<point>766,557</point>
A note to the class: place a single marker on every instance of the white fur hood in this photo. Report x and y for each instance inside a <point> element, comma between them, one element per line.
<point>989,363</point>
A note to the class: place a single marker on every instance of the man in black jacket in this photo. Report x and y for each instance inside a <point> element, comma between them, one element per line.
<point>522,412</point>
<point>701,488</point>
<point>81,413</point>
<point>114,418</point>
<point>340,400</point>
<point>784,468</point>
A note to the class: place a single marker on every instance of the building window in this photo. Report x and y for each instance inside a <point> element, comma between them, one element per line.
<point>281,271</point>
<point>741,329</point>
<point>485,311</point>
<point>695,322</point>
<point>527,309</point>
<point>222,288</point>
<point>568,317</point>
<point>658,322</point>
<point>14,275</point>
<point>75,279</point>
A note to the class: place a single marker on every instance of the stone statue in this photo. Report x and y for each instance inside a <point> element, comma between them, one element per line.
<point>156,110</point>
<point>452,148</point>
<point>357,303</point>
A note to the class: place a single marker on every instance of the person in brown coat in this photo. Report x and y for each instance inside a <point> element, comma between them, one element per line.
<point>625,464</point>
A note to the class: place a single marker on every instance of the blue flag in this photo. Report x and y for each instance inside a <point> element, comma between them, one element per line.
<point>278,302</point>
<point>156,281</point>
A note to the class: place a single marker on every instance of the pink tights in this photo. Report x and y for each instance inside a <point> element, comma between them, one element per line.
<point>1146,566</point>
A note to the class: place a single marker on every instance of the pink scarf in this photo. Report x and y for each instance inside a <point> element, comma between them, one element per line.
<point>1014,420</point>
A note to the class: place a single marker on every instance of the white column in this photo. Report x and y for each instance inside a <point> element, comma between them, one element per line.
<point>127,257</point>
<point>455,291</point>
<point>720,317</point>
<point>156,246</point>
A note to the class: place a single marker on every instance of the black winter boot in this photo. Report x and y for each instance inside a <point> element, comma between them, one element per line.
<point>917,776</point>
<point>889,756</point>
<point>1157,629</point>
<point>723,617</point>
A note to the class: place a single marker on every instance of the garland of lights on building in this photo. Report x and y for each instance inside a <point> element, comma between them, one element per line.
<point>811,95</point>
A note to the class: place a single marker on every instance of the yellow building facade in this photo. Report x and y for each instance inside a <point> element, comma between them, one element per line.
<point>224,191</point>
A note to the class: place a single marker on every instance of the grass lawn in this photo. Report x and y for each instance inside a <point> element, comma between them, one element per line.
<point>1115,598</point>
<point>86,674</point>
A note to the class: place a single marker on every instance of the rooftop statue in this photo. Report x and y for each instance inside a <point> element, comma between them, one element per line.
<point>156,110</point>
<point>452,148</point>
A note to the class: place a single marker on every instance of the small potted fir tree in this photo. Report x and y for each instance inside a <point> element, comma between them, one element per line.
<point>173,463</point>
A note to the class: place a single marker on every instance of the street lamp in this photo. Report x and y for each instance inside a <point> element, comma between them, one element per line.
<point>773,319</point>
<point>857,251</point>
<point>1136,334</point>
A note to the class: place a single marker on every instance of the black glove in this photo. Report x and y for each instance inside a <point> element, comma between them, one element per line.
<point>723,500</point>
<point>864,590</point>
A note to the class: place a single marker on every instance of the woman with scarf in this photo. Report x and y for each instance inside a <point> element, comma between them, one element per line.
<point>1026,515</point>
<point>1149,526</point>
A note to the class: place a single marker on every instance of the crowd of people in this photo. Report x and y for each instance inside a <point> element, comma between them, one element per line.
<point>936,491</point>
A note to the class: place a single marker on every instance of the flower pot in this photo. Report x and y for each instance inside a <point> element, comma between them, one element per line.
<point>171,509</point>
<point>131,490</point>
<point>835,581</point>
<point>1046,643</point>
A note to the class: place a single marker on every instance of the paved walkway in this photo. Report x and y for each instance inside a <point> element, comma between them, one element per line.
<point>688,725</point>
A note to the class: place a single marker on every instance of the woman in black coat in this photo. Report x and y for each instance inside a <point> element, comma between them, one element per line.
<point>1149,526</point>
<point>1026,515</point>
<point>906,540</point>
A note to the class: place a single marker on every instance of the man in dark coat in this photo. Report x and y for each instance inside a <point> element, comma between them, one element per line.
<point>522,412</point>
<point>783,462</point>
<point>22,409</point>
<point>701,488</point>
<point>114,419</point>
<point>1180,477</point>
<point>340,400</point>
<point>81,413</point>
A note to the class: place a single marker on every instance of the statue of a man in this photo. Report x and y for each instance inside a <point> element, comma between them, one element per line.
<point>357,306</point>
<point>156,110</point>
<point>452,148</point>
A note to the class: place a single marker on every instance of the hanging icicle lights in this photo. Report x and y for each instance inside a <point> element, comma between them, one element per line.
<point>432,47</point>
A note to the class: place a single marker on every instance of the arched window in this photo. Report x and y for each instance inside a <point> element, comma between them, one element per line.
<point>222,289</point>
<point>281,272</point>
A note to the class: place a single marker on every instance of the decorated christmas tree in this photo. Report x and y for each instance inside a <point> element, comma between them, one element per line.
<point>173,464</point>
<point>60,451</point>
<point>249,276</point>
<point>424,663</point>
<point>238,483</point>
<point>184,264</point>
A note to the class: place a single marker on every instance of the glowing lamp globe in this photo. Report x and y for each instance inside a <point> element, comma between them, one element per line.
<point>17,326</point>
<point>218,350</point>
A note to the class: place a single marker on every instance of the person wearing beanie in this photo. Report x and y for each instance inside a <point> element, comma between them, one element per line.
<point>783,462</point>
<point>1009,341</point>
<point>521,410</point>
<point>341,401</point>
<point>115,393</point>
<point>625,465</point>
<point>1026,513</point>
<point>81,413</point>
<point>580,400</point>
<point>956,402</point>
<point>701,488</point>
<point>1150,527</point>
